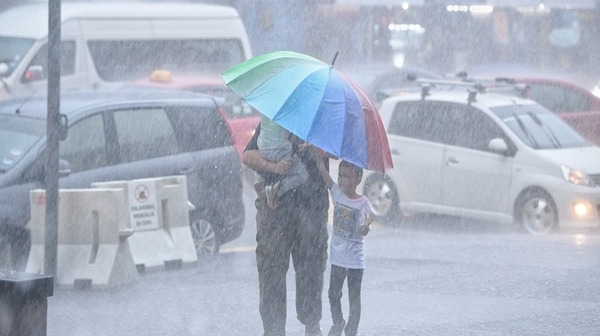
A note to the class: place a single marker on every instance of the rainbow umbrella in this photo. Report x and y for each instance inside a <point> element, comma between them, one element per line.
<point>317,103</point>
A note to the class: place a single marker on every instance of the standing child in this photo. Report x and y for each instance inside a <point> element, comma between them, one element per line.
<point>351,222</point>
<point>274,144</point>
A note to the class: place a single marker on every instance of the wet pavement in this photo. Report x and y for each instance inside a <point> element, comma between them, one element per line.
<point>424,276</point>
<point>427,277</point>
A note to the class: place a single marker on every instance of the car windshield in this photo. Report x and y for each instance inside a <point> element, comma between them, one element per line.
<point>12,50</point>
<point>539,128</point>
<point>17,136</point>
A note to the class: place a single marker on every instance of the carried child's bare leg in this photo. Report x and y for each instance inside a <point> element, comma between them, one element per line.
<point>271,193</point>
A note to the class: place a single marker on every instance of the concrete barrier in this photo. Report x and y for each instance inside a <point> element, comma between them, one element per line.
<point>159,215</point>
<point>92,250</point>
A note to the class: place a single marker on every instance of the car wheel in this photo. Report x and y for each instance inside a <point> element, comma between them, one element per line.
<point>383,196</point>
<point>537,213</point>
<point>205,237</point>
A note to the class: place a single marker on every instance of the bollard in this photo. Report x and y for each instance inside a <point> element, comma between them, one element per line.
<point>24,303</point>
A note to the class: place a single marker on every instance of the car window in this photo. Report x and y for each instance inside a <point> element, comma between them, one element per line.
<point>12,50</point>
<point>132,59</point>
<point>447,123</point>
<point>67,60</point>
<point>199,128</point>
<point>144,134</point>
<point>468,127</point>
<point>413,120</point>
<point>85,145</point>
<point>558,99</point>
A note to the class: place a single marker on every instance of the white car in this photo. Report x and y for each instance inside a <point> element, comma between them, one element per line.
<point>485,156</point>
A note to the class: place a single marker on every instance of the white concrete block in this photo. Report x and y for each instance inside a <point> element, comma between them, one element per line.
<point>159,215</point>
<point>92,249</point>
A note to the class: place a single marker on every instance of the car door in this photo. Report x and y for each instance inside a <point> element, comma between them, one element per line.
<point>86,152</point>
<point>473,178</point>
<point>203,134</point>
<point>416,154</point>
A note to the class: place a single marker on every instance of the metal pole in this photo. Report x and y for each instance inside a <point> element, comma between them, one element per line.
<point>51,183</point>
<point>370,35</point>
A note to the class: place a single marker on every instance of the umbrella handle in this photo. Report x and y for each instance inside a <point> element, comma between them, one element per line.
<point>334,57</point>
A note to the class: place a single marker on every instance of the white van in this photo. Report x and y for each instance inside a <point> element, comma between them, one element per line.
<point>104,45</point>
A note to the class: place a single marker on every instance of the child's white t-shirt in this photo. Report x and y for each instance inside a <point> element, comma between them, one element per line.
<point>347,244</point>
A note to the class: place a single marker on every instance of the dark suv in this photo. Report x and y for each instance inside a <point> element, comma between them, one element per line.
<point>122,136</point>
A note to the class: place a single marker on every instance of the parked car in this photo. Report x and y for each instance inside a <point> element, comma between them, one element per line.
<point>123,136</point>
<point>241,118</point>
<point>574,104</point>
<point>487,156</point>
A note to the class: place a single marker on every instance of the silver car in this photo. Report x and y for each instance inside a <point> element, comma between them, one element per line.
<point>486,156</point>
<point>123,136</point>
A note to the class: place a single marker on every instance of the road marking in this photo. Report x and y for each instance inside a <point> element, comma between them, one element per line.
<point>247,248</point>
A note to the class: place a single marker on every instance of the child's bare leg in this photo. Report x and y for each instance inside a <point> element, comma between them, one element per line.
<point>271,195</point>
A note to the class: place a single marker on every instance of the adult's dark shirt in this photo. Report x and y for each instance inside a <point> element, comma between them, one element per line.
<point>313,193</point>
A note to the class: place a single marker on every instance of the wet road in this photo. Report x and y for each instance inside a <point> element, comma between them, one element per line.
<point>426,276</point>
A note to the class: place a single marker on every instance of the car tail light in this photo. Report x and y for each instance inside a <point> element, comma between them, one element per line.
<point>224,117</point>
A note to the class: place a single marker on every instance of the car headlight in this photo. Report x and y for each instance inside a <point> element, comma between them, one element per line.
<point>575,176</point>
<point>596,90</point>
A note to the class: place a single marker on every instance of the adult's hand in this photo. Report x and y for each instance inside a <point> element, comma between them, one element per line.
<point>284,166</point>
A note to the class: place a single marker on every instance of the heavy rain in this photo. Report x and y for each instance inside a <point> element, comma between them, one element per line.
<point>476,123</point>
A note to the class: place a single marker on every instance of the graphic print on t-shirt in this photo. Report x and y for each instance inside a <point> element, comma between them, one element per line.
<point>344,220</point>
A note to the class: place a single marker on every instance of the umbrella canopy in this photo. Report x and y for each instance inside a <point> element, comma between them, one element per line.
<point>317,103</point>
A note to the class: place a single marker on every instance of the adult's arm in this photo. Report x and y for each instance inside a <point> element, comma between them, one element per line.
<point>324,173</point>
<point>252,159</point>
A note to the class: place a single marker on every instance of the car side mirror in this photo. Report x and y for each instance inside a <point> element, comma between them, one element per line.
<point>63,127</point>
<point>498,145</point>
<point>64,168</point>
<point>34,73</point>
<point>3,69</point>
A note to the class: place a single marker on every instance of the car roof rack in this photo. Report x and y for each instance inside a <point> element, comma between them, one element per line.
<point>496,84</point>
<point>474,85</point>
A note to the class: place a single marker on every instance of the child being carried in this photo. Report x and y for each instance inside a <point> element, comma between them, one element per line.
<point>275,143</point>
